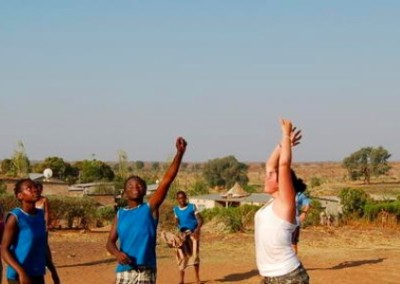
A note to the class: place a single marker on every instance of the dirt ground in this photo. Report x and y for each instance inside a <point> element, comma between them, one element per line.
<point>331,255</point>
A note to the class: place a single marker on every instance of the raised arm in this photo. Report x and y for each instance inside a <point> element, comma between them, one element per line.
<point>286,205</point>
<point>272,163</point>
<point>273,160</point>
<point>158,197</point>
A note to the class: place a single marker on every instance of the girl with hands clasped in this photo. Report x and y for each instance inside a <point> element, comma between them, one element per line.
<point>275,222</point>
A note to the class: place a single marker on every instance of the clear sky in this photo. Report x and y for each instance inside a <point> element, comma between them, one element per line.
<point>90,77</point>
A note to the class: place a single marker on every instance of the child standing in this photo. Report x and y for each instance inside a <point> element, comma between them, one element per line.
<point>43,203</point>
<point>24,246</point>
<point>189,222</point>
<point>136,226</point>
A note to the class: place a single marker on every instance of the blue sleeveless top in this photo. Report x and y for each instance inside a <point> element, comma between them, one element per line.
<point>30,244</point>
<point>186,217</point>
<point>137,232</point>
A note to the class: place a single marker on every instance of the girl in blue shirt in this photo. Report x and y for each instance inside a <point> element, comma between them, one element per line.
<point>189,222</point>
<point>135,226</point>
<point>24,245</point>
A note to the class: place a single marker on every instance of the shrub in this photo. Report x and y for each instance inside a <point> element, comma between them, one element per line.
<point>313,216</point>
<point>315,182</point>
<point>236,219</point>
<point>3,188</point>
<point>105,215</point>
<point>8,201</point>
<point>353,201</point>
<point>372,210</point>
<point>77,211</point>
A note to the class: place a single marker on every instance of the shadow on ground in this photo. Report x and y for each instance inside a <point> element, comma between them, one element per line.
<point>236,277</point>
<point>352,263</point>
<point>91,263</point>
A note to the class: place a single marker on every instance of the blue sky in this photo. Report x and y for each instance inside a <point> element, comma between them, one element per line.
<point>90,77</point>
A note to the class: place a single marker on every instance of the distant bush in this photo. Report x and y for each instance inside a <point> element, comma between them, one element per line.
<point>353,201</point>
<point>236,219</point>
<point>74,210</point>
<point>372,210</point>
<point>77,211</point>
<point>104,215</point>
<point>3,188</point>
<point>313,216</point>
<point>251,188</point>
<point>8,201</point>
<point>315,182</point>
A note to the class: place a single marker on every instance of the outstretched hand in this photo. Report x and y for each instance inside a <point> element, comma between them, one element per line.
<point>295,136</point>
<point>181,145</point>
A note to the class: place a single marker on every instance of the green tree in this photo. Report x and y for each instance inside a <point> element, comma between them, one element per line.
<point>225,172</point>
<point>3,188</point>
<point>367,162</point>
<point>353,201</point>
<point>61,169</point>
<point>94,170</point>
<point>139,165</point>
<point>6,167</point>
<point>155,166</point>
<point>21,165</point>
<point>122,164</point>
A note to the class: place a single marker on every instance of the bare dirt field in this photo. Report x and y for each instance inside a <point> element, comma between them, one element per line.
<point>331,255</point>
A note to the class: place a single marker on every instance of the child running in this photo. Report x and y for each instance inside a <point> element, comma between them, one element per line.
<point>24,246</point>
<point>135,226</point>
<point>275,222</point>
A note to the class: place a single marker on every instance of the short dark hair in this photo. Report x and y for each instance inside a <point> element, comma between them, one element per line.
<point>18,185</point>
<point>180,192</point>
<point>39,185</point>
<point>298,183</point>
<point>138,179</point>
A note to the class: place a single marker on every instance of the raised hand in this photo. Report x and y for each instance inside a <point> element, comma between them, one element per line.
<point>181,144</point>
<point>295,136</point>
<point>286,127</point>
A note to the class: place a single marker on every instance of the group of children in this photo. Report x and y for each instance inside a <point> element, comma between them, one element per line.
<point>132,238</point>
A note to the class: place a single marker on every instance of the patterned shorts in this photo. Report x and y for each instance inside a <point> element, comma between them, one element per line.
<point>137,276</point>
<point>297,276</point>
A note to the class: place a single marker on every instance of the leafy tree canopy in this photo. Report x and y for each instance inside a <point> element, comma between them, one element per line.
<point>367,162</point>
<point>225,172</point>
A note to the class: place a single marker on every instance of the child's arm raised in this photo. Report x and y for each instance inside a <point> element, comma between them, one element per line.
<point>9,235</point>
<point>158,197</point>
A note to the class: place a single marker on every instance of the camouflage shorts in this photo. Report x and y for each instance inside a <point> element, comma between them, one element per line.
<point>297,276</point>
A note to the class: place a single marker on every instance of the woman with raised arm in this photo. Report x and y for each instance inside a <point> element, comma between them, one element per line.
<point>275,222</point>
<point>136,226</point>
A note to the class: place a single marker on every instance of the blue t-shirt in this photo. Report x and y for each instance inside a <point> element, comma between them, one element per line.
<point>137,232</point>
<point>301,201</point>
<point>30,244</point>
<point>186,217</point>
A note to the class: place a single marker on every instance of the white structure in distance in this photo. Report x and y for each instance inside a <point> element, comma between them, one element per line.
<point>48,173</point>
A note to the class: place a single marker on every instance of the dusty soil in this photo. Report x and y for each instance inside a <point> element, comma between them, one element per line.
<point>331,255</point>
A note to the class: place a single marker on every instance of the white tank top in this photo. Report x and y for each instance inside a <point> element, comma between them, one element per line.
<point>274,253</point>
